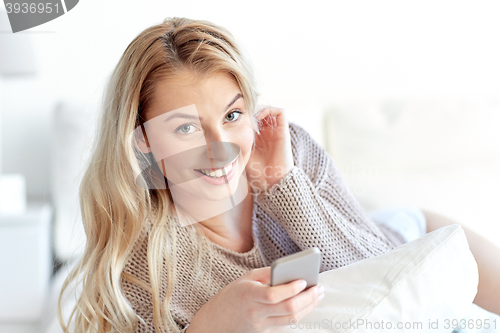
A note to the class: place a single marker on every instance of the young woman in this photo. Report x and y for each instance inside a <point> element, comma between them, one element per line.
<point>193,191</point>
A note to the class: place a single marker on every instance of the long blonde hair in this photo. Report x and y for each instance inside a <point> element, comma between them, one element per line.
<point>114,209</point>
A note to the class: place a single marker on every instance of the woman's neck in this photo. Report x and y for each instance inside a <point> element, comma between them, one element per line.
<point>233,228</point>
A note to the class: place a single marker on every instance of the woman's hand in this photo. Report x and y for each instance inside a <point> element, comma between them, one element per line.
<point>271,157</point>
<point>248,305</point>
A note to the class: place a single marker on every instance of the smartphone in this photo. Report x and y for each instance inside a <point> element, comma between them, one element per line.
<point>301,265</point>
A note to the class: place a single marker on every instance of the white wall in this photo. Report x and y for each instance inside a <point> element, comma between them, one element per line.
<point>306,56</point>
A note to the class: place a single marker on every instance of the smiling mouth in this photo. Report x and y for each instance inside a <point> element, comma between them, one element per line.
<point>219,172</point>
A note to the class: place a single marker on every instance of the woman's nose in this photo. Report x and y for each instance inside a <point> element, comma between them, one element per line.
<point>219,150</point>
<point>214,135</point>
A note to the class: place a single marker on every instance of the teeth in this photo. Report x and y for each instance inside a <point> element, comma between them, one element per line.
<point>219,172</point>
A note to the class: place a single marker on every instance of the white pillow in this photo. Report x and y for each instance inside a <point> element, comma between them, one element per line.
<point>434,277</point>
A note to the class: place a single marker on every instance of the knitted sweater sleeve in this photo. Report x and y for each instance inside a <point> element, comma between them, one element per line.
<point>315,207</point>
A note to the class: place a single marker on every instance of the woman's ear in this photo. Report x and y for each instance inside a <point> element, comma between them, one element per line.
<point>141,140</point>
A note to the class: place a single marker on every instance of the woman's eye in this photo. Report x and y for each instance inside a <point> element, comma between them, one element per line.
<point>185,129</point>
<point>233,116</point>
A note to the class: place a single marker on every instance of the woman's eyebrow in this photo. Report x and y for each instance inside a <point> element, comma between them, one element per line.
<point>182,115</point>
<point>233,101</point>
<point>187,116</point>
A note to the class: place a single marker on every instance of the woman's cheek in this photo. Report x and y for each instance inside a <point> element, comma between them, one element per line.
<point>165,146</point>
<point>245,141</point>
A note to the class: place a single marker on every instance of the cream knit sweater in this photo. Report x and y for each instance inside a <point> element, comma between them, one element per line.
<point>310,206</point>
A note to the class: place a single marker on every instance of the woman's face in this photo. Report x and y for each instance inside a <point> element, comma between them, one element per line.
<point>200,134</point>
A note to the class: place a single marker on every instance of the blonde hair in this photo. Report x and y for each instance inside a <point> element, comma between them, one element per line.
<point>114,209</point>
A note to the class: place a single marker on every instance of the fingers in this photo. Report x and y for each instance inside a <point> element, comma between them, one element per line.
<point>270,115</point>
<point>263,113</point>
<point>276,294</point>
<point>288,319</point>
<point>266,110</point>
<point>272,123</point>
<point>296,303</point>
<point>304,308</point>
<point>262,275</point>
<point>265,118</point>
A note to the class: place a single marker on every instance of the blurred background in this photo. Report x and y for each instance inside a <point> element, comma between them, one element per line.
<point>405,96</point>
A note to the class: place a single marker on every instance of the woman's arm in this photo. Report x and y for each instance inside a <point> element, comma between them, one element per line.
<point>314,206</point>
<point>487,257</point>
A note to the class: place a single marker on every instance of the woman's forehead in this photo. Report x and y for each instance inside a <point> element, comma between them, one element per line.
<point>207,93</point>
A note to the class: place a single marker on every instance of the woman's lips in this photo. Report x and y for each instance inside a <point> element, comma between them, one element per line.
<point>218,176</point>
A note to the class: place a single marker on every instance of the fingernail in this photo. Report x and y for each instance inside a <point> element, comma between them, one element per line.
<point>320,297</point>
<point>303,284</point>
<point>321,289</point>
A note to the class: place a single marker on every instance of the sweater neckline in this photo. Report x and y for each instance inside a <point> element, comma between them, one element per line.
<point>234,253</point>
<point>250,252</point>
